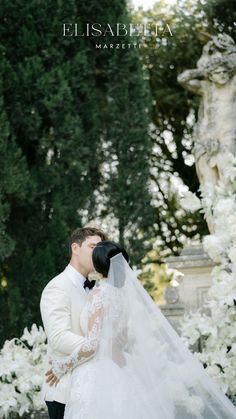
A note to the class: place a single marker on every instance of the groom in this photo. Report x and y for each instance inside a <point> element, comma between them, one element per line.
<point>61,303</point>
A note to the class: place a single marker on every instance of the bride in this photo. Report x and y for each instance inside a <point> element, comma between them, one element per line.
<point>132,364</point>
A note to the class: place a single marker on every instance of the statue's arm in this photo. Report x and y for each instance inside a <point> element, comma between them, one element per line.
<point>191,80</point>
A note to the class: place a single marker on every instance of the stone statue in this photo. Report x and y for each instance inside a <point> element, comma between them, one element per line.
<point>214,80</point>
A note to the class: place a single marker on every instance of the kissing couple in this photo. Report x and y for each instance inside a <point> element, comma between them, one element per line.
<point>111,352</point>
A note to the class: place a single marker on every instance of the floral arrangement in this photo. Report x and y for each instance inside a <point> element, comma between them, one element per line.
<point>215,323</point>
<point>21,373</point>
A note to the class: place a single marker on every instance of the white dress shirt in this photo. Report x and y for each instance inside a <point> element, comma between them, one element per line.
<point>74,274</point>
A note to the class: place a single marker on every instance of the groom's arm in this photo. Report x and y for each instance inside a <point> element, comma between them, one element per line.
<point>89,345</point>
<point>56,316</point>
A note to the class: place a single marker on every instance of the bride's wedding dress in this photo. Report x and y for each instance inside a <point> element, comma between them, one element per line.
<point>94,377</point>
<point>132,364</point>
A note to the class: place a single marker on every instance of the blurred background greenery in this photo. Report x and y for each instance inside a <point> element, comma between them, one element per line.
<point>95,135</point>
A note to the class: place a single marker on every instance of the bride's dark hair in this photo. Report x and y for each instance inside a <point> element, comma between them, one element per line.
<point>102,254</point>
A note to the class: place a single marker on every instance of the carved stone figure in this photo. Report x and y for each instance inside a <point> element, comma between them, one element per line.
<point>214,80</point>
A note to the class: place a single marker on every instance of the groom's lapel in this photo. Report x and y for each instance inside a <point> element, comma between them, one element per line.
<point>74,281</point>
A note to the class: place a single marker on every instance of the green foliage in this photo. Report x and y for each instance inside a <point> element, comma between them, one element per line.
<point>222,16</point>
<point>55,118</point>
<point>13,175</point>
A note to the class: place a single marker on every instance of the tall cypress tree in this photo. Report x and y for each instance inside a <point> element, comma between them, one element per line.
<point>14,188</point>
<point>129,151</point>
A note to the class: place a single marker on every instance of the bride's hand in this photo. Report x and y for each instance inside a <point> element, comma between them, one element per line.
<point>51,378</point>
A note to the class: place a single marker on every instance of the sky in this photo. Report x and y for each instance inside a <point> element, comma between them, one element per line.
<point>147,4</point>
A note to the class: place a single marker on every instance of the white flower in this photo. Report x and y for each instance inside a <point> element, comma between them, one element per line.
<point>35,336</point>
<point>37,380</point>
<point>213,370</point>
<point>190,202</point>
<point>176,275</point>
<point>24,387</point>
<point>217,328</point>
<point>225,207</point>
<point>230,167</point>
<point>214,247</point>
<point>22,373</point>
<point>231,223</point>
<point>208,197</point>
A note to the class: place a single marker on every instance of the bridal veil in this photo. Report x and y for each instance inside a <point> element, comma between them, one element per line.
<point>143,369</point>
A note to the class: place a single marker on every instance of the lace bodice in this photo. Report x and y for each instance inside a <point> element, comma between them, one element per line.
<point>118,309</point>
<point>91,323</point>
<point>94,298</point>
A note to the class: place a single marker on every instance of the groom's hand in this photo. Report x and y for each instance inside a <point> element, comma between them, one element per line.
<point>51,378</point>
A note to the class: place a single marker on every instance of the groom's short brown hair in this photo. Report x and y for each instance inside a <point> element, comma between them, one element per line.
<point>80,235</point>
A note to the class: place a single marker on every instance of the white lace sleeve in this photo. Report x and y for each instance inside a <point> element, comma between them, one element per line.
<point>89,346</point>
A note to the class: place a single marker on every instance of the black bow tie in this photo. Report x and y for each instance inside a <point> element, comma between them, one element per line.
<point>89,284</point>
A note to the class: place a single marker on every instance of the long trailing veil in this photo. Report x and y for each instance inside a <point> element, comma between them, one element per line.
<point>143,369</point>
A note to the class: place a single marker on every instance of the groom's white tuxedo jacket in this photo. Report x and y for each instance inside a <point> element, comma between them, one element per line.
<point>61,303</point>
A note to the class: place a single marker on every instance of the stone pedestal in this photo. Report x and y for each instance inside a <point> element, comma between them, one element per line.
<point>196,266</point>
<point>191,293</point>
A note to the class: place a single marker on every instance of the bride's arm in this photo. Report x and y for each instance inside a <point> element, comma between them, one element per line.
<point>88,346</point>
